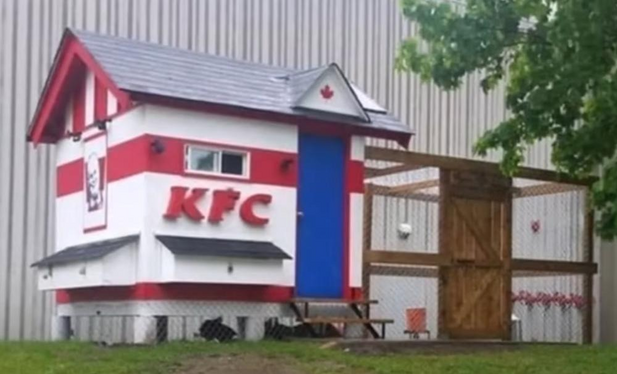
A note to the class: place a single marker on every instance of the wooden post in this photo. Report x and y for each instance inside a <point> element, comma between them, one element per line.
<point>444,181</point>
<point>367,240</point>
<point>588,278</point>
<point>506,272</point>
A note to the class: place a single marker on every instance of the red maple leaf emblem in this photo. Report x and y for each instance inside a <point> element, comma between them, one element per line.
<point>326,92</point>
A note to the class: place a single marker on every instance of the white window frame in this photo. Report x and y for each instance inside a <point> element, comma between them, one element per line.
<point>219,164</point>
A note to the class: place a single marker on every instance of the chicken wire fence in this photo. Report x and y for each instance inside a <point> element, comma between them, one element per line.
<point>548,223</point>
<point>158,322</point>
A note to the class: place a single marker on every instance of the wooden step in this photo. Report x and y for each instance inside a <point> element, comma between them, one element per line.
<point>346,320</point>
<point>332,301</point>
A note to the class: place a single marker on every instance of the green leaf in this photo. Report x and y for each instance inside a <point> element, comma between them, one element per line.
<point>559,63</point>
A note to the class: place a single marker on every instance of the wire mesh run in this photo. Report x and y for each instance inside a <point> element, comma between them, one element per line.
<point>540,230</point>
<point>548,221</point>
<point>158,322</point>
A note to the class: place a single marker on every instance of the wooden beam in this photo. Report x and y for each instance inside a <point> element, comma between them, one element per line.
<point>414,186</point>
<point>380,172</point>
<point>404,271</point>
<point>405,258</point>
<point>453,163</point>
<point>570,267</point>
<point>537,274</point>
<point>387,191</point>
<point>545,189</point>
<point>433,272</point>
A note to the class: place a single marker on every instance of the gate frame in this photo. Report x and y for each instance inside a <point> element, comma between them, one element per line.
<point>409,161</point>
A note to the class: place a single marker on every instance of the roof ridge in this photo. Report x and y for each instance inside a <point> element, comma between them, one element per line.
<point>309,70</point>
<point>78,32</point>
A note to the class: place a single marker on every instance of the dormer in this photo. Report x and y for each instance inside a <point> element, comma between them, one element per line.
<point>329,92</point>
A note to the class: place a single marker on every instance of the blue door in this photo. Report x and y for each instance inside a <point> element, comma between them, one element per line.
<point>320,219</point>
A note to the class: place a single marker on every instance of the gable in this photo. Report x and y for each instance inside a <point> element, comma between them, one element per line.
<point>331,93</point>
<point>77,92</point>
<point>89,102</point>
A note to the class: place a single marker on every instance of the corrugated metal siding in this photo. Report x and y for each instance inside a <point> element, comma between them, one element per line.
<point>361,35</point>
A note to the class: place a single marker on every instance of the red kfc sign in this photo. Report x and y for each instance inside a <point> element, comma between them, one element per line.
<point>184,201</point>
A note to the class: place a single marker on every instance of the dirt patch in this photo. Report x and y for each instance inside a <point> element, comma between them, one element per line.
<point>241,364</point>
<point>426,347</point>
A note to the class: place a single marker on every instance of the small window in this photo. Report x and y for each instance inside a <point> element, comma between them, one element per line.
<point>232,163</point>
<point>216,161</point>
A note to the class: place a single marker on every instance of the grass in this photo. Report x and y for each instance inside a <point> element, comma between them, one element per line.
<point>82,358</point>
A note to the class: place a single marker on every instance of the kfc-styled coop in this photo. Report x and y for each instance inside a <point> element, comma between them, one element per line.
<point>199,186</point>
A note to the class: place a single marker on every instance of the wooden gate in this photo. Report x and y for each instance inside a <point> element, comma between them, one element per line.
<point>475,232</point>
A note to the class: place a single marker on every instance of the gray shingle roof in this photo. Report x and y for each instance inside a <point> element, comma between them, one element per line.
<point>85,252</point>
<point>180,245</point>
<point>154,69</point>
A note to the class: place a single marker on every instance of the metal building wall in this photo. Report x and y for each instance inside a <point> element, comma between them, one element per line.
<point>361,35</point>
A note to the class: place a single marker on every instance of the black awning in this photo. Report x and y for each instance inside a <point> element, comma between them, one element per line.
<point>88,251</point>
<point>180,245</point>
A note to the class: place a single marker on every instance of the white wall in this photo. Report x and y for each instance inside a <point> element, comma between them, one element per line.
<point>117,268</point>
<point>216,128</point>
<point>119,129</point>
<point>125,213</point>
<point>280,230</point>
<point>200,269</point>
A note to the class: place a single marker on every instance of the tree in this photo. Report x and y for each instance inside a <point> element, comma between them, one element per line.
<point>558,60</point>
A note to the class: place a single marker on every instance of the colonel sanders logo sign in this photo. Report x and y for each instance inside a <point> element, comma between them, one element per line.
<point>94,185</point>
<point>95,182</point>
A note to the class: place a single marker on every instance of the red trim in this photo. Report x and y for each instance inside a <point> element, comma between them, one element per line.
<point>100,100</point>
<point>346,227</point>
<point>56,89</point>
<point>128,158</point>
<point>79,108</point>
<point>135,156</point>
<point>333,128</point>
<point>95,228</point>
<point>357,293</point>
<point>355,176</point>
<point>177,291</point>
<point>70,64</point>
<point>265,165</point>
<point>70,178</point>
